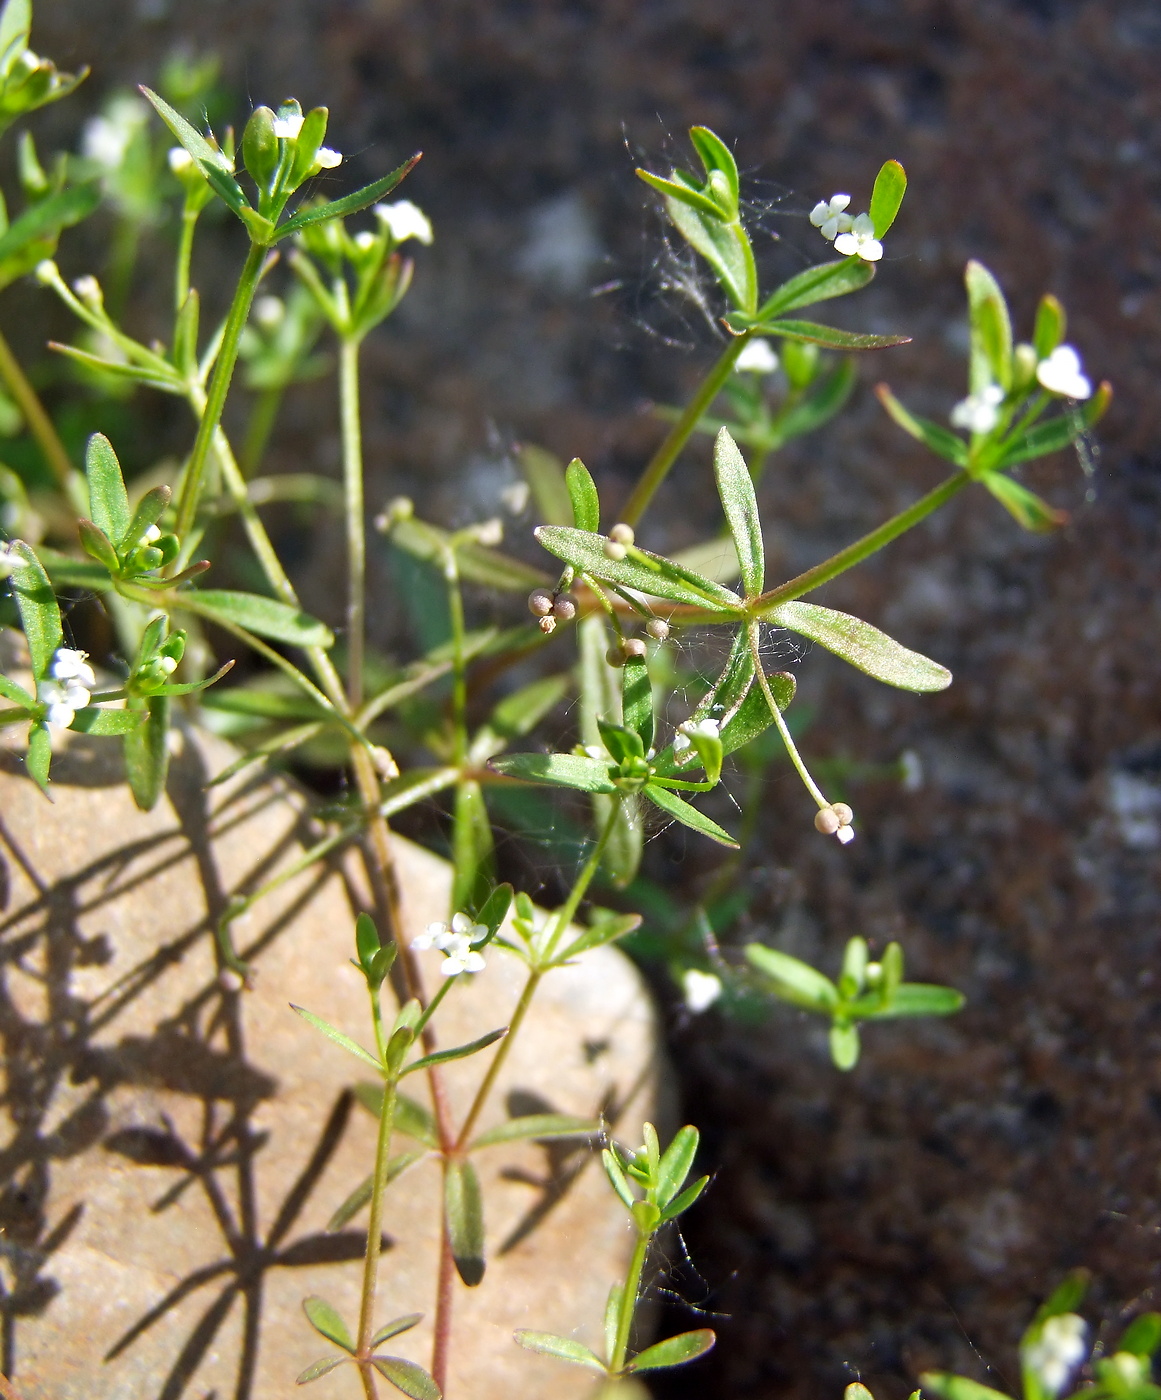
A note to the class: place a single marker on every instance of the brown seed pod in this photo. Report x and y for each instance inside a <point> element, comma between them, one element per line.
<point>564,609</point>
<point>634,648</point>
<point>615,656</point>
<point>540,602</point>
<point>657,628</point>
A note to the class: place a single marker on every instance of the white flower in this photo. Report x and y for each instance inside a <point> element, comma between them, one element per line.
<point>455,942</point>
<point>9,559</point>
<point>105,139</point>
<point>827,216</point>
<point>860,240</point>
<point>287,128</point>
<point>405,220</point>
<point>691,729</point>
<point>179,159</point>
<point>89,290</point>
<point>1058,1350</point>
<point>757,357</point>
<point>269,312</point>
<point>701,989</point>
<point>68,665</point>
<point>63,701</point>
<point>326,159</point>
<point>1060,374</point>
<point>979,412</point>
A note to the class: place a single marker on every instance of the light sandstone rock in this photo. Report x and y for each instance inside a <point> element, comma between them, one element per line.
<point>162,1219</point>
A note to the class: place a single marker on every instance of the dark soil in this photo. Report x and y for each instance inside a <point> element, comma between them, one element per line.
<point>912,1213</point>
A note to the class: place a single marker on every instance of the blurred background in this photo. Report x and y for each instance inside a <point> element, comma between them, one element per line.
<point>912,1213</point>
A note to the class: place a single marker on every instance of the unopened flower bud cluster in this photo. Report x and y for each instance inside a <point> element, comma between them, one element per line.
<point>835,820</point>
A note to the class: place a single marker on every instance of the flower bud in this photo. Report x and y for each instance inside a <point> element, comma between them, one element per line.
<point>260,147</point>
<point>564,609</point>
<point>622,534</point>
<point>634,649</point>
<point>540,602</point>
<point>614,551</point>
<point>615,656</point>
<point>826,820</point>
<point>657,628</point>
<point>843,812</point>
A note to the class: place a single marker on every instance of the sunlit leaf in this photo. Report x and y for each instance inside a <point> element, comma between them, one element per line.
<point>557,770</point>
<point>563,1348</point>
<point>921,999</point>
<point>887,196</point>
<point>686,813</point>
<point>648,573</point>
<point>464,1209</point>
<point>582,492</point>
<point>791,979</point>
<point>407,1376</point>
<point>991,330</point>
<point>1028,509</point>
<point>147,754</point>
<point>829,337</point>
<point>815,284</point>
<point>675,1164</point>
<point>395,1327</point>
<point>862,646</point>
<point>458,1052</point>
<point>37,605</point>
<point>337,1036</point>
<point>674,1351</point>
<point>950,1387</point>
<point>94,720</point>
<point>326,1320</point>
<point>537,1125</point>
<point>939,439</point>
<point>266,617</point>
<point>736,490</point>
<point>349,204</point>
<point>320,1368</point>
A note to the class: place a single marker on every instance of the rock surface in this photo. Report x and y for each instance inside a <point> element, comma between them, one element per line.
<point>173,1152</point>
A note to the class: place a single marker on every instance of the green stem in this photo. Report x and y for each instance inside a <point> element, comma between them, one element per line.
<point>534,976</point>
<point>258,430</point>
<point>665,456</point>
<point>195,472</point>
<point>629,1302</point>
<point>564,915</point>
<point>356,539</point>
<point>795,757</point>
<point>861,549</point>
<point>39,423</point>
<point>189,219</point>
<point>374,1232</point>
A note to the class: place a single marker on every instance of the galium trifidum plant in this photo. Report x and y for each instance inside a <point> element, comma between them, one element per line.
<point>318,277</point>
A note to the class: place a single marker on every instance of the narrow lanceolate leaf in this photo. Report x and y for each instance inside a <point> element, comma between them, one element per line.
<point>37,605</point>
<point>407,1376</point>
<point>1050,326</point>
<point>1057,433</point>
<point>537,1125</point>
<point>1030,511</point>
<point>266,617</point>
<point>349,204</point>
<point>681,193</point>
<point>724,246</point>
<point>214,165</point>
<point>320,1368</point>
<point>361,1195</point>
<point>647,573</point>
<point>326,1320</point>
<point>675,1164</point>
<point>93,720</point>
<point>415,1120</point>
<point>16,693</point>
<point>863,646</point>
<point>38,759</point>
<point>674,1351</point>
<point>557,770</point>
<point>753,715</point>
<point>563,1348</point>
<point>791,979</point>
<point>47,217</point>
<point>950,1387</point>
<point>337,1036</point>
<point>821,283</point>
<point>149,511</point>
<point>887,196</point>
<point>395,1327</point>
<point>830,337</point>
<point>736,490</point>
<point>582,494</point>
<point>680,1204</point>
<point>716,155</point>
<point>637,701</point>
<point>686,813</point>
<point>473,855</point>
<point>922,999</point>
<point>458,1052</point>
<point>97,545</point>
<point>990,359</point>
<point>600,932</point>
<point>939,439</point>
<point>464,1207</point>
<point>415,786</point>
<point>147,754</point>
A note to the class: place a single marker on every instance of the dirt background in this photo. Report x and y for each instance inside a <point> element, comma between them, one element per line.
<point>912,1213</point>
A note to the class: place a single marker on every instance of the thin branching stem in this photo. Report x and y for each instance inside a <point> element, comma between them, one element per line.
<point>40,425</point>
<point>629,1302</point>
<point>356,535</point>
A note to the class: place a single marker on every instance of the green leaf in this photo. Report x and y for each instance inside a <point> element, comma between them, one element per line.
<point>1050,326</point>
<point>473,854</point>
<point>887,196</point>
<point>1028,509</point>
<point>366,942</point>
<point>67,572</point>
<point>263,704</point>
<point>678,192</point>
<point>361,1195</point>
<point>494,910</point>
<point>557,770</point>
<point>793,980</point>
<point>815,284</point>
<point>519,713</point>
<point>459,1052</point>
<point>267,617</point>
<point>320,1368</point>
<point>950,1387</point>
<point>862,646</point>
<point>1057,433</point>
<point>674,1351</point>
<point>213,163</point>
<point>1066,1297</point>
<point>97,545</point>
<point>675,1165</point>
<point>396,1327</point>
<point>149,511</point>
<point>827,395</point>
<point>722,244</point>
<point>736,489</point>
<point>680,1204</point>
<point>648,573</point>
<point>15,27</point>
<point>753,715</point>
<point>830,337</point>
<point>617,1178</point>
<point>637,700</point>
<point>108,499</point>
<point>854,969</point>
<point>545,474</point>
<point>38,759</point>
<point>563,1348</point>
<point>612,1317</point>
<point>716,155</point>
<point>349,204</point>
<point>415,1121</point>
<point>991,330</point>
<point>939,439</point>
<point>416,785</point>
<point>44,219</point>
<point>37,605</point>
<point>464,1209</point>
<point>844,1045</point>
<point>16,693</point>
<point>582,494</point>
<point>921,999</point>
<point>337,1036</point>
<point>146,751</point>
<point>684,812</point>
<point>1142,1337</point>
<point>93,720</point>
<point>536,1125</point>
<point>599,700</point>
<point>407,1376</point>
<point>326,1320</point>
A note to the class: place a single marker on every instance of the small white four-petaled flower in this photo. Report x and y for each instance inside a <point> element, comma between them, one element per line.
<point>68,689</point>
<point>860,241</point>
<point>405,220</point>
<point>326,159</point>
<point>454,941</point>
<point>701,989</point>
<point>827,216</point>
<point>979,412</point>
<point>287,128</point>
<point>757,357</point>
<point>1058,1350</point>
<point>702,729</point>
<point>1060,374</point>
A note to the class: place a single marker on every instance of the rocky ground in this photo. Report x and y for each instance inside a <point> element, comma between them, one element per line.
<point>913,1212</point>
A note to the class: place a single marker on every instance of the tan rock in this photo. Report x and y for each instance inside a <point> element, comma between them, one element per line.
<point>172,1152</point>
